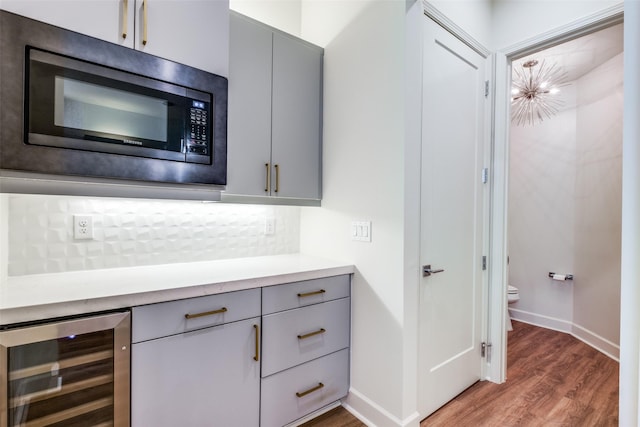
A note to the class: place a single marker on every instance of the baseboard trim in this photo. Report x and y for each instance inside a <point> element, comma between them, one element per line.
<point>601,344</point>
<point>590,338</point>
<point>372,414</point>
<point>541,320</point>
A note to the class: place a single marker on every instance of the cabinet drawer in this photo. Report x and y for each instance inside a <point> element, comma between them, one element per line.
<point>299,294</point>
<point>169,318</point>
<point>282,395</point>
<point>297,336</point>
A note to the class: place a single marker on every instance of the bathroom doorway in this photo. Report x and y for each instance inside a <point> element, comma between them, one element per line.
<point>565,190</point>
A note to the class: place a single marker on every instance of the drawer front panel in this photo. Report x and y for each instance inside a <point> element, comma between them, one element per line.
<point>297,336</point>
<point>300,294</point>
<point>281,405</point>
<point>169,318</point>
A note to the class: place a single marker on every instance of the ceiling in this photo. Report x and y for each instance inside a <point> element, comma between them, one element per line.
<point>579,56</point>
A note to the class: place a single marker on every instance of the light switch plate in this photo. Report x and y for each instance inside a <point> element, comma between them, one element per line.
<point>361,231</point>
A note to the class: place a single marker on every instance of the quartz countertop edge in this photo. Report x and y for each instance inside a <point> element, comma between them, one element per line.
<point>46,296</point>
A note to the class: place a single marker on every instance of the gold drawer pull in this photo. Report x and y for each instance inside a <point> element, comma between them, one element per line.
<point>267,184</point>
<point>144,22</point>
<point>308,294</point>
<point>257,354</point>
<point>206,313</point>
<point>311,390</point>
<point>125,13</point>
<point>310,334</point>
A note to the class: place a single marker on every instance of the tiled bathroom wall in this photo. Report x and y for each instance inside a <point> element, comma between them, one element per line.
<point>140,232</point>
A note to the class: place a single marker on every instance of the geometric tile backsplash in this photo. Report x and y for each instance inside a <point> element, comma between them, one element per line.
<point>133,232</point>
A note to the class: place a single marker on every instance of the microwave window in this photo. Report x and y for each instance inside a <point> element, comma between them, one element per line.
<point>91,107</point>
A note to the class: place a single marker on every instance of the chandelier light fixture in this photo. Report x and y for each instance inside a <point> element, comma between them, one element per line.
<point>534,91</point>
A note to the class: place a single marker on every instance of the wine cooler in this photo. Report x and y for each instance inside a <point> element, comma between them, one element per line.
<point>70,373</point>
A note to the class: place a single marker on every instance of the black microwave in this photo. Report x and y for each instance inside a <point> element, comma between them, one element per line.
<point>89,108</point>
<point>83,106</point>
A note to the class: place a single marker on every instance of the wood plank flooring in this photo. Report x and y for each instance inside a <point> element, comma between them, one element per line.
<point>338,417</point>
<point>553,379</point>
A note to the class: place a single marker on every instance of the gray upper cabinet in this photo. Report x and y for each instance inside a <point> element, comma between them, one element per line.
<point>201,39</point>
<point>275,115</point>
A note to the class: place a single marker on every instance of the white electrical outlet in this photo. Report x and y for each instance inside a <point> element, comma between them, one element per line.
<point>82,227</point>
<point>269,226</point>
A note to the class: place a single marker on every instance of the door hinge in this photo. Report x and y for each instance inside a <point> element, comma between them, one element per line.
<point>485,175</point>
<point>484,262</point>
<point>485,350</point>
<point>486,88</point>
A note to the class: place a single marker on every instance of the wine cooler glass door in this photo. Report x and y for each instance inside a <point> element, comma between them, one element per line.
<point>73,373</point>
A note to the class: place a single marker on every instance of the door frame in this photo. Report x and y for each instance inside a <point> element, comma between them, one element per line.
<point>498,273</point>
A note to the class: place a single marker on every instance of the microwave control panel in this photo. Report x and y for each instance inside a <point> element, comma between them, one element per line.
<point>197,132</point>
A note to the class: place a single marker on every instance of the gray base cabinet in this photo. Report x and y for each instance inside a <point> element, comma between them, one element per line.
<point>305,338</point>
<point>260,357</point>
<point>204,376</point>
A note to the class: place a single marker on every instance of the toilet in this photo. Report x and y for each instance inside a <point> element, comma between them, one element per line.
<point>513,295</point>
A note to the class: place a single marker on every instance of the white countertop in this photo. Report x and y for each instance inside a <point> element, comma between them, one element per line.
<point>43,296</point>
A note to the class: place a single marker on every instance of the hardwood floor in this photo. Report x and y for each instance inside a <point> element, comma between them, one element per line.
<point>338,417</point>
<point>553,379</point>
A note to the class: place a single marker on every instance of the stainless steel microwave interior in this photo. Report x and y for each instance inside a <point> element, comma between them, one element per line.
<point>77,106</point>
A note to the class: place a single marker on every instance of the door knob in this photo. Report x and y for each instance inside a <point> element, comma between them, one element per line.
<point>427,271</point>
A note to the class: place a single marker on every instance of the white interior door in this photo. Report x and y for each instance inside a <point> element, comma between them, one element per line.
<point>452,215</point>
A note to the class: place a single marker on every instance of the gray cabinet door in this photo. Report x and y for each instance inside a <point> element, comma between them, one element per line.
<point>206,377</point>
<point>200,38</point>
<point>249,110</point>
<point>296,133</point>
<point>100,19</point>
<point>275,107</point>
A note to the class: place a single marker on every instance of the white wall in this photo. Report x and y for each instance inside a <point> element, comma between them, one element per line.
<point>363,179</point>
<point>474,16</point>
<point>281,14</point>
<point>514,21</point>
<point>542,171</point>
<point>598,204</point>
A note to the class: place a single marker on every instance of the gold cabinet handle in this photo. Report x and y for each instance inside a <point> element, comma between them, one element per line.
<point>277,177</point>
<point>308,294</point>
<point>311,334</point>
<point>144,22</point>
<point>257,353</point>
<point>206,313</point>
<point>125,16</point>
<point>311,390</point>
<point>268,177</point>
